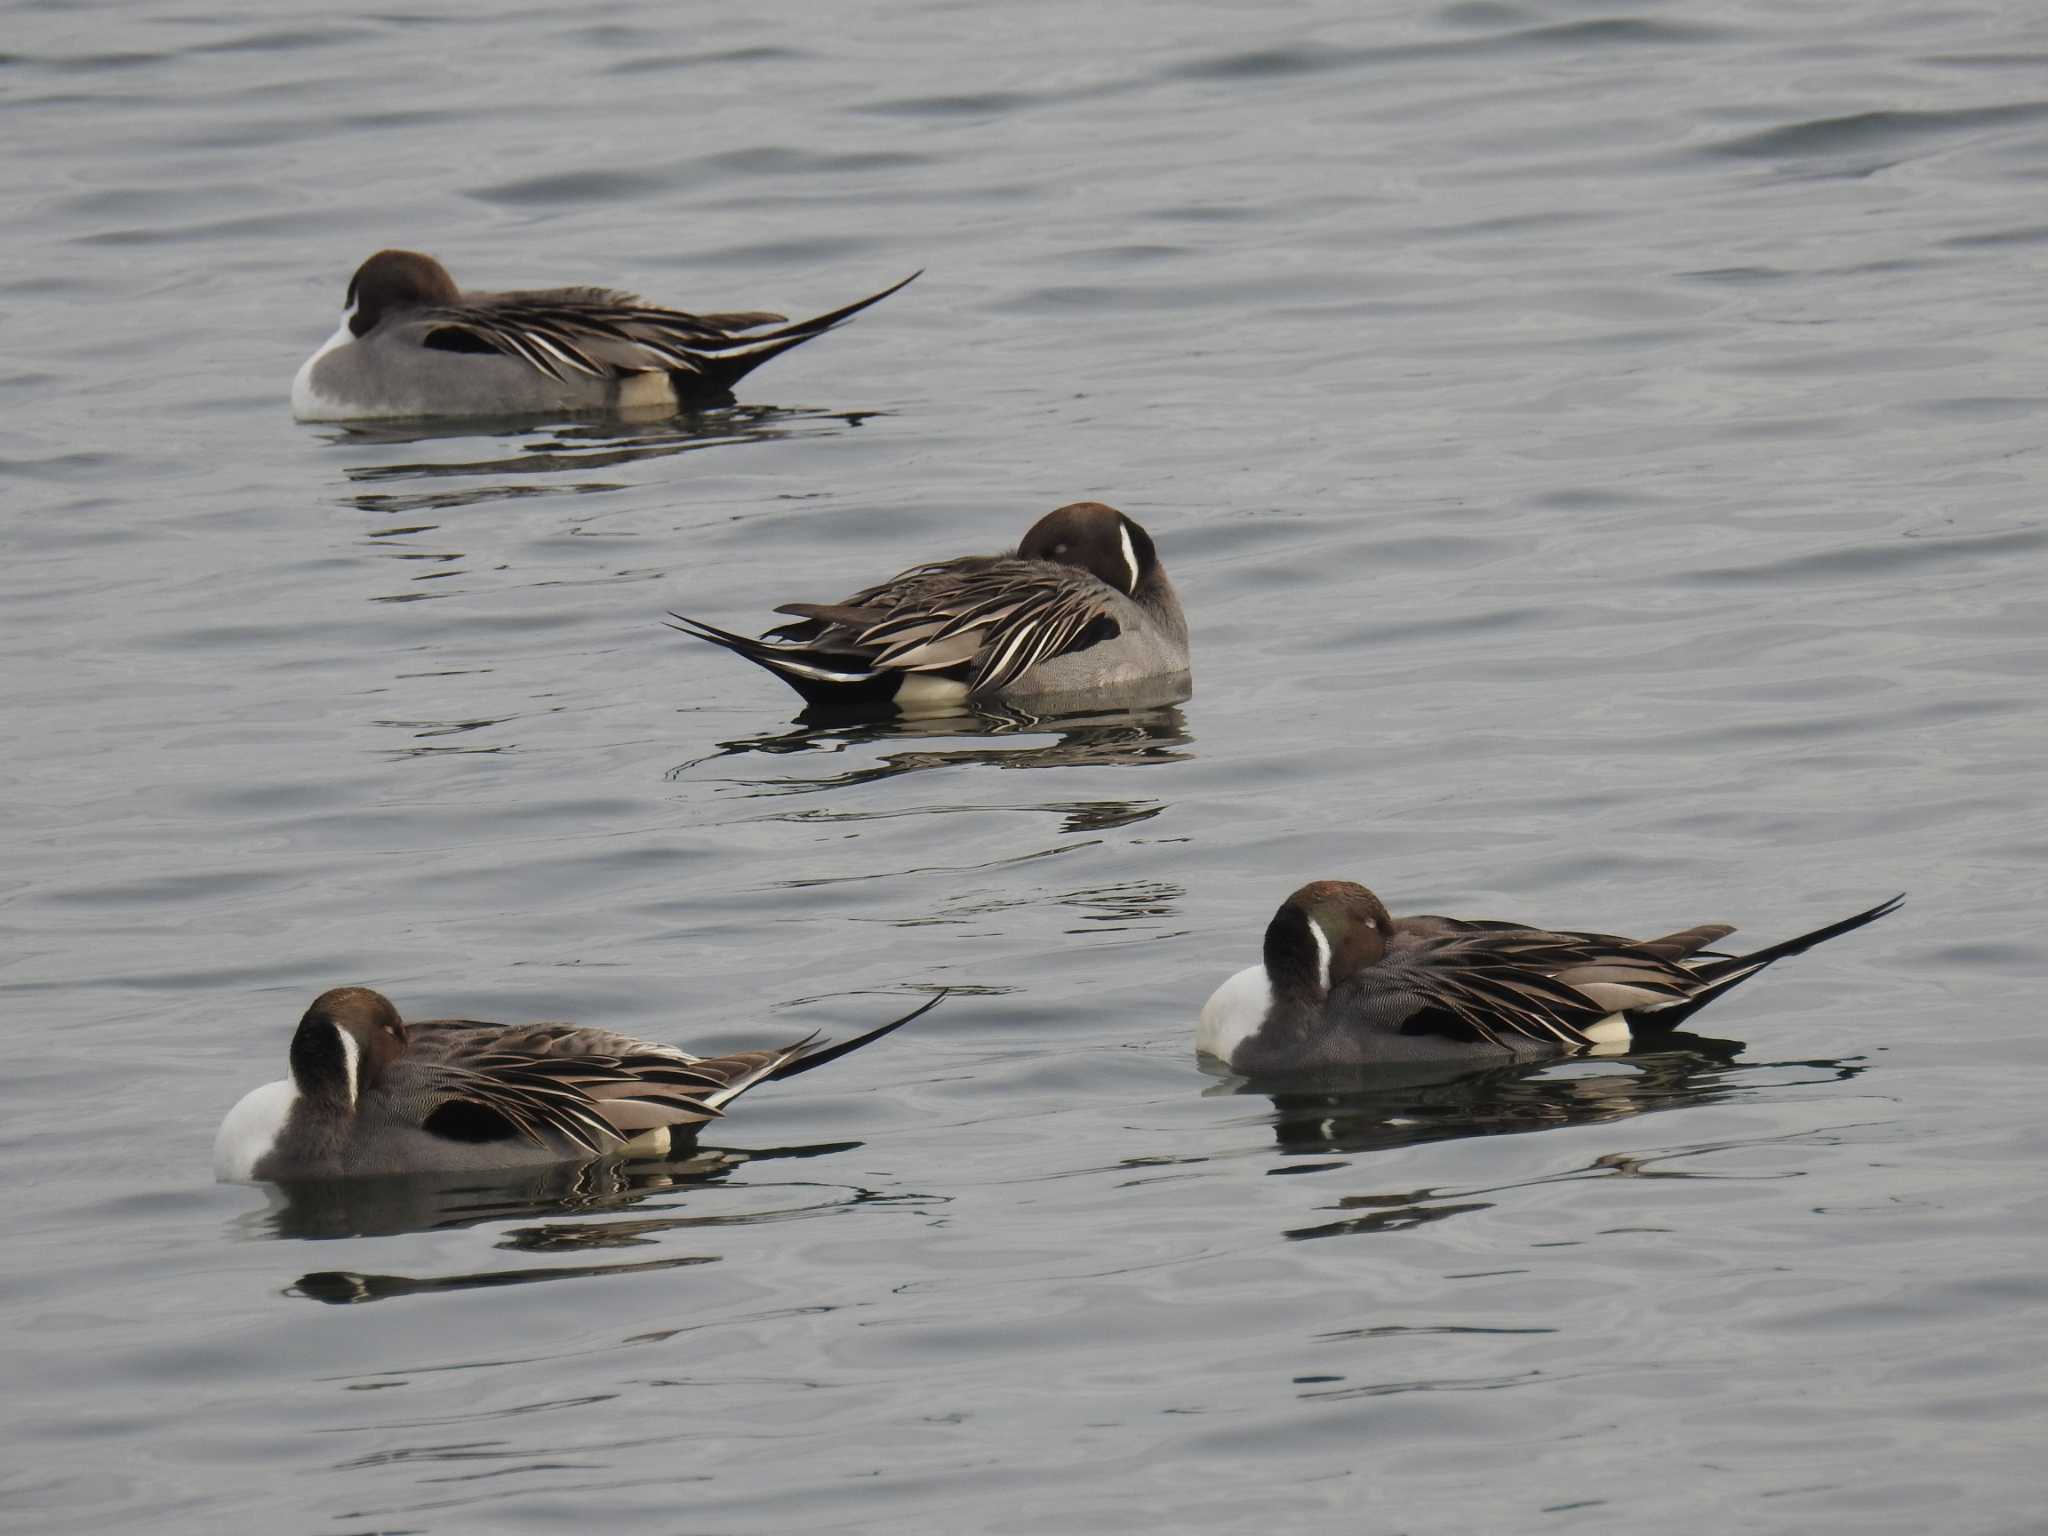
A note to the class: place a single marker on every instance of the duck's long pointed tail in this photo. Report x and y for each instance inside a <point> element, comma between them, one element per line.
<point>821,677</point>
<point>825,1053</point>
<point>724,364</point>
<point>1724,973</point>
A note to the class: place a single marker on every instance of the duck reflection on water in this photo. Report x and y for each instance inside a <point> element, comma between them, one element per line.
<point>575,1210</point>
<point>1129,735</point>
<point>505,458</point>
<point>444,1202</point>
<point>1409,1107</point>
<point>1386,1107</point>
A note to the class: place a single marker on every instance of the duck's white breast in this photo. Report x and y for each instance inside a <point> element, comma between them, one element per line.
<point>1234,1013</point>
<point>308,404</point>
<point>251,1130</point>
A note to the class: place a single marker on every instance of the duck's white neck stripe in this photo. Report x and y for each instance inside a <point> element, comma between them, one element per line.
<point>352,1057</point>
<point>1322,939</point>
<point>1123,531</point>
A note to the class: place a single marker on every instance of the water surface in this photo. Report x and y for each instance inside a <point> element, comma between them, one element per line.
<point>1601,454</point>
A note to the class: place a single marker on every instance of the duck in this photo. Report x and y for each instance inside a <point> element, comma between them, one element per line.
<point>412,344</point>
<point>1343,985</point>
<point>371,1093</point>
<point>1082,605</point>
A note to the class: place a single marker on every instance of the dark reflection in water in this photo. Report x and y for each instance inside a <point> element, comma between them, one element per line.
<point>425,1202</point>
<point>1128,904</point>
<point>522,460</point>
<point>1125,735</point>
<point>436,733</point>
<point>562,450</point>
<point>1403,1110</point>
<point>1396,1109</point>
<point>386,1206</point>
<point>344,1287</point>
<point>383,1207</point>
<point>1424,1384</point>
<point>1136,905</point>
<point>1405,1209</point>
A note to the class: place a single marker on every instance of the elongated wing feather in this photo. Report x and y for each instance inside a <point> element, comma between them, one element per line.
<point>985,620</point>
<point>1496,983</point>
<point>584,1089</point>
<point>600,333</point>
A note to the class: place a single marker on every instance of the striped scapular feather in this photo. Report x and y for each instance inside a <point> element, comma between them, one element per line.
<point>1496,982</point>
<point>599,333</point>
<point>980,629</point>
<point>587,1088</point>
<point>986,620</point>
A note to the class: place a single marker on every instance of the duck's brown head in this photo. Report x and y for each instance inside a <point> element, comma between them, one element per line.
<point>1325,932</point>
<point>1094,538</point>
<point>395,280</point>
<point>345,1043</point>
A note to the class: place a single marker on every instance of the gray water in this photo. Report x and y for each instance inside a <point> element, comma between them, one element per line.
<point>1601,452</point>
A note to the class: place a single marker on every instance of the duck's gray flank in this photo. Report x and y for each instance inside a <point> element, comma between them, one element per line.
<point>1083,604</point>
<point>370,1093</point>
<point>1344,983</point>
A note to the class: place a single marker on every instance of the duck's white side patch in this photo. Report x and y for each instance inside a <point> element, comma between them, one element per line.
<point>921,693</point>
<point>1123,531</point>
<point>251,1130</point>
<point>1234,1013</point>
<point>308,404</point>
<point>1322,939</point>
<point>1612,1030</point>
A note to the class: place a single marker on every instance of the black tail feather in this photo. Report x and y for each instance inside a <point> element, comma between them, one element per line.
<point>719,373</point>
<point>742,645</point>
<point>1804,942</point>
<point>857,688</point>
<point>803,330</point>
<point>823,1054</point>
<point>1726,974</point>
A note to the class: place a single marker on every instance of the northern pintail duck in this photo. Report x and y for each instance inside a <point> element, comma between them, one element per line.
<point>1082,606</point>
<point>1346,985</point>
<point>370,1093</point>
<point>413,344</point>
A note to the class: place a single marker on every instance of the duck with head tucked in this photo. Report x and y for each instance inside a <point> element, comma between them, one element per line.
<point>1082,606</point>
<point>412,344</point>
<point>1344,984</point>
<point>373,1093</point>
